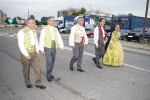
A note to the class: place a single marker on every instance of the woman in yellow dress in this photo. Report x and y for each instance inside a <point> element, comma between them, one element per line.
<point>114,55</point>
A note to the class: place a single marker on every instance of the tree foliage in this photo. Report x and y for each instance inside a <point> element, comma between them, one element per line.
<point>6,20</point>
<point>15,21</point>
<point>44,20</point>
<point>81,11</point>
<point>32,16</point>
<point>130,14</point>
<point>38,22</point>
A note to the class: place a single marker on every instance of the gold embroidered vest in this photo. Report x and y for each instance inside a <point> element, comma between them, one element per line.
<point>27,40</point>
<point>48,37</point>
<point>78,37</point>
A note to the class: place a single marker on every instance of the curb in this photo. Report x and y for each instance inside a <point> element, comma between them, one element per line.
<point>123,46</point>
<point>91,42</point>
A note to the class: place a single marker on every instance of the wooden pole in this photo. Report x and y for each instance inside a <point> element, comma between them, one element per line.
<point>145,20</point>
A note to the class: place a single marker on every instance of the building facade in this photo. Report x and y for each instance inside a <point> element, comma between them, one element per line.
<point>20,20</point>
<point>3,16</point>
<point>67,12</point>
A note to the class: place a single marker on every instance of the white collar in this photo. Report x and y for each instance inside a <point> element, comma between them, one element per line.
<point>29,29</point>
<point>79,25</point>
<point>50,26</point>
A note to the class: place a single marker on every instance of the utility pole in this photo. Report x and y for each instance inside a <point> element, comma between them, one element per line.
<point>28,13</point>
<point>145,20</point>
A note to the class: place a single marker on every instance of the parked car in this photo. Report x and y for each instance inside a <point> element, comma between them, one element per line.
<point>90,32</point>
<point>136,34</point>
<point>64,30</point>
<point>124,33</point>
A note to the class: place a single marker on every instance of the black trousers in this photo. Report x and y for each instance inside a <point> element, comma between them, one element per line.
<point>99,52</point>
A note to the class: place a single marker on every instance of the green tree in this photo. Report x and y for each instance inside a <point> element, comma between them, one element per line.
<point>38,22</point>
<point>32,16</point>
<point>15,21</point>
<point>75,14</point>
<point>81,11</point>
<point>130,14</point>
<point>44,20</point>
<point>6,20</point>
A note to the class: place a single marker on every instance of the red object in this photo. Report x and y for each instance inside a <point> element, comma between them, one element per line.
<point>89,32</point>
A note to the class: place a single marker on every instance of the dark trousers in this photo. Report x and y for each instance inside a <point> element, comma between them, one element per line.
<point>50,60</point>
<point>77,55</point>
<point>99,52</point>
<point>35,63</point>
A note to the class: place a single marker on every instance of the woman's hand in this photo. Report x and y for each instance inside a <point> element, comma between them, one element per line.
<point>110,46</point>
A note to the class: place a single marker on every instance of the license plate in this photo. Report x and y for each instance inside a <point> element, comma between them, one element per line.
<point>130,36</point>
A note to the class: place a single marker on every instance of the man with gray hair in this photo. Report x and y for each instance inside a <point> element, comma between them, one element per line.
<point>77,40</point>
<point>28,45</point>
<point>50,39</point>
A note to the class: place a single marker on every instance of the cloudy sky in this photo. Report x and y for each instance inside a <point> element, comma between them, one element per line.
<point>41,8</point>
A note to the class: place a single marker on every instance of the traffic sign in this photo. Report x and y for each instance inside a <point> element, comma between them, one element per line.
<point>10,20</point>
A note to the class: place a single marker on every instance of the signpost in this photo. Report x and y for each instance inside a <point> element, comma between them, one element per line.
<point>10,20</point>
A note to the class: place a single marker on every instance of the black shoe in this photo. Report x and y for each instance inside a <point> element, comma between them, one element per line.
<point>94,60</point>
<point>49,79</point>
<point>81,70</point>
<point>71,67</point>
<point>41,87</point>
<point>100,67</point>
<point>29,86</point>
<point>52,77</point>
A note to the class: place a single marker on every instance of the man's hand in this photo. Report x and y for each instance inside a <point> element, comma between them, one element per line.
<point>43,53</point>
<point>86,45</point>
<point>28,57</point>
<point>62,50</point>
<point>73,47</point>
<point>97,46</point>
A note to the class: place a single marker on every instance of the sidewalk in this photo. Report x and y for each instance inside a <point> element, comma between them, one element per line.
<point>127,46</point>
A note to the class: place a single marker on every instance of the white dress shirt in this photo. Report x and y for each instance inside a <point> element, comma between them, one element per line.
<point>20,37</point>
<point>73,30</point>
<point>42,36</point>
<point>96,35</point>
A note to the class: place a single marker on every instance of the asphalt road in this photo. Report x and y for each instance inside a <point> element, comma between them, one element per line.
<point>130,82</point>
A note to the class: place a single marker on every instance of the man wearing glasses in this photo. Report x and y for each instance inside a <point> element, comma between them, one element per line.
<point>28,45</point>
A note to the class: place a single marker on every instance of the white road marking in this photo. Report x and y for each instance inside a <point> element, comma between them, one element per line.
<point>92,55</point>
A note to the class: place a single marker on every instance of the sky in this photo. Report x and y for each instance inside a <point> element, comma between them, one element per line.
<point>40,8</point>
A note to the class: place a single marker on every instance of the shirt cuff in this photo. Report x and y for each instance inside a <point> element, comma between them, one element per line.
<point>96,44</point>
<point>26,54</point>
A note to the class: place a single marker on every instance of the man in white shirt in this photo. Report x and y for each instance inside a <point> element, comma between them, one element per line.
<point>50,39</point>
<point>99,41</point>
<point>77,40</point>
<point>28,44</point>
